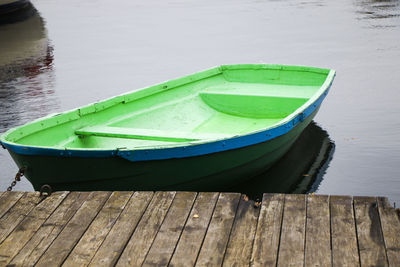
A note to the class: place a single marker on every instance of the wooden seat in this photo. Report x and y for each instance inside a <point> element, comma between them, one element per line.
<point>252,105</point>
<point>146,134</point>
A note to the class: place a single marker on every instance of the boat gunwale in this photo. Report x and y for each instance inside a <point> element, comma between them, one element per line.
<point>184,149</point>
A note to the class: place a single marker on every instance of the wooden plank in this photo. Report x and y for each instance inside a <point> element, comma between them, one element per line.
<point>390,222</point>
<point>370,238</point>
<point>113,245</point>
<point>7,200</point>
<point>146,134</point>
<point>28,226</point>
<point>343,232</point>
<point>318,236</point>
<point>291,248</point>
<point>266,241</point>
<point>72,232</point>
<point>165,242</point>
<point>238,252</point>
<point>142,238</point>
<point>195,230</point>
<point>216,239</point>
<point>17,213</point>
<point>46,234</point>
<point>87,246</point>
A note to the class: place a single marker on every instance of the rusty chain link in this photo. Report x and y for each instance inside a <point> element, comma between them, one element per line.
<point>17,178</point>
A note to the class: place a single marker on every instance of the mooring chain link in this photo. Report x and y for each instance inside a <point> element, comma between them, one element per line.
<point>17,178</point>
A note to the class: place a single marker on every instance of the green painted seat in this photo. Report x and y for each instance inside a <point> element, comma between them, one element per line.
<point>147,134</point>
<point>251,105</point>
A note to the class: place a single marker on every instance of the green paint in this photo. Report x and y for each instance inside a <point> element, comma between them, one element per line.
<point>215,104</point>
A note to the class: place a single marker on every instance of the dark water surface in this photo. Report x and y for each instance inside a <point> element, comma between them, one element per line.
<point>71,53</point>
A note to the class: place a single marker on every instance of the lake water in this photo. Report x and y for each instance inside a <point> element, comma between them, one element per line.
<point>71,53</point>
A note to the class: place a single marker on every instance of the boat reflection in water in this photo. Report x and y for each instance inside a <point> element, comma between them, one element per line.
<point>300,171</point>
<point>13,10</point>
<point>26,77</point>
<point>26,68</point>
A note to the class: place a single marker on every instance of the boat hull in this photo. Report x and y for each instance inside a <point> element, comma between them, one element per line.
<point>210,172</point>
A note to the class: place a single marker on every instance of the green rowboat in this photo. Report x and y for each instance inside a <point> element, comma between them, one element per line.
<point>200,132</point>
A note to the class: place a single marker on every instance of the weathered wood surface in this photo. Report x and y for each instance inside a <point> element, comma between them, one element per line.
<point>238,252</point>
<point>44,237</point>
<point>202,229</point>
<point>17,213</point>
<point>88,244</point>
<point>195,230</point>
<point>170,230</point>
<point>28,226</point>
<point>147,229</point>
<point>114,244</point>
<point>7,200</point>
<point>291,248</point>
<point>344,239</point>
<point>217,236</point>
<point>318,243</point>
<point>266,243</point>
<point>390,223</point>
<point>73,230</point>
<point>369,232</point>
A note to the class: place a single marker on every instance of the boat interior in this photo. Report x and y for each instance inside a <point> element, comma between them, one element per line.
<point>216,104</point>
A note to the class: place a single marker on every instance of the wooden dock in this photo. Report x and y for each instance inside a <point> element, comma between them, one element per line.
<point>187,229</point>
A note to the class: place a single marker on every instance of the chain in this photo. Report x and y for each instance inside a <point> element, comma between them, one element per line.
<point>17,178</point>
